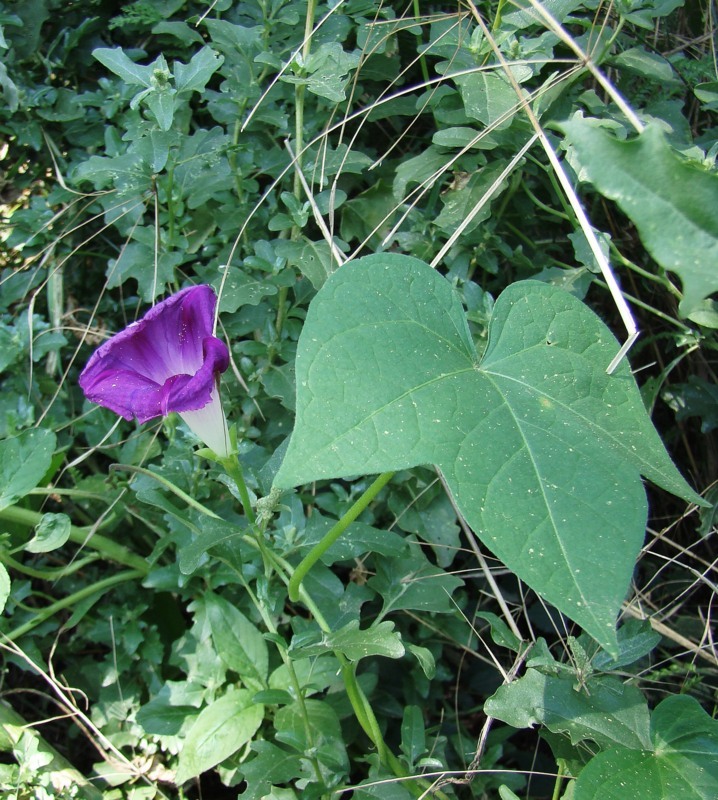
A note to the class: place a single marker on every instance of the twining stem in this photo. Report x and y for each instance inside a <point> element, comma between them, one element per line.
<point>336,531</point>
<point>82,536</point>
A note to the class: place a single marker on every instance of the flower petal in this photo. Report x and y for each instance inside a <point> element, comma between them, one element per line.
<point>165,362</point>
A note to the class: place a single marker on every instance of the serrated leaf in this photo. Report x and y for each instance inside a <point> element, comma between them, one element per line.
<point>670,200</point>
<point>542,450</point>
<point>137,260</point>
<point>608,711</point>
<point>51,532</point>
<point>241,289</point>
<point>220,730</point>
<point>24,460</point>
<point>681,762</point>
<point>378,640</point>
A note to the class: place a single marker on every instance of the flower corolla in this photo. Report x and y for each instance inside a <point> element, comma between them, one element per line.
<point>167,361</point>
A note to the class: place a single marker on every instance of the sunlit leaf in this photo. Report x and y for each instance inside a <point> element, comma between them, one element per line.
<point>541,449</point>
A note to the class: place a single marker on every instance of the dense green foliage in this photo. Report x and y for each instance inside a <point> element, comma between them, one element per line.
<point>153,643</point>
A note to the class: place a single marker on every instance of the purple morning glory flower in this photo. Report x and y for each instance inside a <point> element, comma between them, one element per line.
<point>167,361</point>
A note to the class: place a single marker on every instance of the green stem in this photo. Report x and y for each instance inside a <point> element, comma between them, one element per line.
<point>360,703</point>
<point>559,780</point>
<point>83,536</point>
<point>299,96</point>
<point>422,58</point>
<point>336,531</point>
<point>272,628</point>
<point>73,599</point>
<point>168,485</point>
<point>234,470</point>
<point>49,574</point>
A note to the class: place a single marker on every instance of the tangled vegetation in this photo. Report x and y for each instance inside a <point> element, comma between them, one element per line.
<point>429,227</point>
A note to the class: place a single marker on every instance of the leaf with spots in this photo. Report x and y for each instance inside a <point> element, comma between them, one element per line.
<point>541,449</point>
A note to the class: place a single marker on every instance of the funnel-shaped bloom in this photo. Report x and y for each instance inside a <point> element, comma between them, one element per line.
<point>167,361</point>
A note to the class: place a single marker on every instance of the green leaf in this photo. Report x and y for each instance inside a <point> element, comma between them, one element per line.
<point>646,64</point>
<point>116,61</point>
<point>542,450</point>
<point>500,631</point>
<point>607,711</point>
<point>460,201</point>
<point>358,539</point>
<point>161,102</point>
<point>137,260</point>
<point>193,77</point>
<point>215,533</point>
<point>681,762</point>
<point>239,644</point>
<point>670,200</point>
<point>413,582</point>
<point>522,14</point>
<point>413,736</point>
<point>220,730</point>
<point>426,659</point>
<point>161,717</point>
<point>24,460</point>
<point>241,289</point>
<point>272,765</point>
<point>696,398</point>
<point>489,98</point>
<point>313,724</point>
<point>313,259</point>
<point>51,532</point>
<point>388,789</point>
<point>636,639</point>
<point>379,640</point>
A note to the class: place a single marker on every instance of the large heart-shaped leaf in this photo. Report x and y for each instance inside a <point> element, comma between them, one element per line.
<point>542,450</point>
